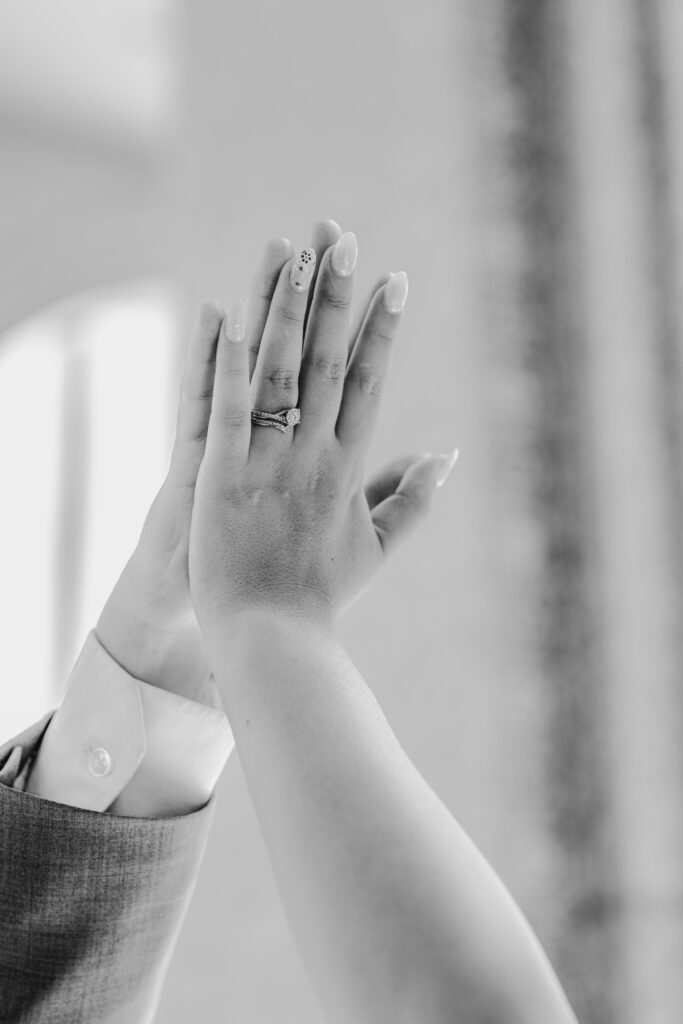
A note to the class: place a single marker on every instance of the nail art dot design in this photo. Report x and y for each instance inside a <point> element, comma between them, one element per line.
<point>302,270</point>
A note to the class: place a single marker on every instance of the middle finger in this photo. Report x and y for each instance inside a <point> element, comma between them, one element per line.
<point>275,383</point>
<point>326,343</point>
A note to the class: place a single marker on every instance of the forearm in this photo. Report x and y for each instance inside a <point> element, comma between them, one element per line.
<point>397,914</point>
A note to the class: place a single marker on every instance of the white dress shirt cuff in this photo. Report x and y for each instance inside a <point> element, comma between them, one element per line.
<point>121,744</point>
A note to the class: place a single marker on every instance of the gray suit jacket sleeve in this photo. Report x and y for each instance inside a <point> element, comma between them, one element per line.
<point>90,903</point>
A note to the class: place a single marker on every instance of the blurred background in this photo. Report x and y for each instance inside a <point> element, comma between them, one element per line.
<point>523,161</point>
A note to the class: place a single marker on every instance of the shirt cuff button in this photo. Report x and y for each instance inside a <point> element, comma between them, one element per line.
<point>99,761</point>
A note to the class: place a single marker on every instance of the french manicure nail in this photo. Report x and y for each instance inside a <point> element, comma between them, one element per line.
<point>345,254</point>
<point>396,292</point>
<point>302,270</point>
<point>235,322</point>
<point>446,463</point>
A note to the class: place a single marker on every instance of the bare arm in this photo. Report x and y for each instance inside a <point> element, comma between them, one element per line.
<point>397,915</point>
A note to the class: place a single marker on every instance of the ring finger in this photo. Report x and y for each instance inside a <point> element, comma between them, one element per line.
<point>368,365</point>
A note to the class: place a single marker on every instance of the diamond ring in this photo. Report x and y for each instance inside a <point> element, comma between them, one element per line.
<point>284,420</point>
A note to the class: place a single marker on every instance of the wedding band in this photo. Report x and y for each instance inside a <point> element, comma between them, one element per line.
<point>284,420</point>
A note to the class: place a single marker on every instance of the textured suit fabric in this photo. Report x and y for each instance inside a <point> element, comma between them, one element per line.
<point>90,903</point>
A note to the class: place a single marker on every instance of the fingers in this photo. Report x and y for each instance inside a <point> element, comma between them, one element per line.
<point>230,422</point>
<point>396,516</point>
<point>275,384</point>
<point>325,233</point>
<point>368,365</point>
<point>275,255</point>
<point>363,312</point>
<point>384,482</point>
<point>326,342</point>
<point>196,386</point>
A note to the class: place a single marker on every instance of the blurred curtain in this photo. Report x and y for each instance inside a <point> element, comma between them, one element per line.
<point>523,160</point>
<point>588,193</point>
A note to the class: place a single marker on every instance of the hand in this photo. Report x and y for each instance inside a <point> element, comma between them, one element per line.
<point>148,624</point>
<point>284,519</point>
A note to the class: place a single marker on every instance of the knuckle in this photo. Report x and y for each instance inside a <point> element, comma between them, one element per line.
<point>237,492</point>
<point>414,502</point>
<point>189,394</point>
<point>321,477</point>
<point>196,433</point>
<point>366,380</point>
<point>233,368</point>
<point>381,331</point>
<point>287,315</point>
<point>320,470</point>
<point>330,368</point>
<point>334,298</point>
<point>234,416</point>
<point>284,378</point>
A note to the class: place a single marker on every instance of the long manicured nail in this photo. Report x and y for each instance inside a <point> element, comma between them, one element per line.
<point>302,270</point>
<point>446,463</point>
<point>396,292</point>
<point>345,254</point>
<point>235,322</point>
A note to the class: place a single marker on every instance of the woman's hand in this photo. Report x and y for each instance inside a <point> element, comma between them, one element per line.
<point>283,519</point>
<point>148,624</point>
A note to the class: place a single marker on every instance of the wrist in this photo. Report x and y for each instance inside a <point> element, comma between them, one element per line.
<point>308,614</point>
<point>136,647</point>
<point>249,650</point>
<point>131,629</point>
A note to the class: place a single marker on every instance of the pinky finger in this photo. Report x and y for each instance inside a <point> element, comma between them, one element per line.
<point>229,431</point>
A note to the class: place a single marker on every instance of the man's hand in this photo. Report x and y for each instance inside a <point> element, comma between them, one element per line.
<point>148,624</point>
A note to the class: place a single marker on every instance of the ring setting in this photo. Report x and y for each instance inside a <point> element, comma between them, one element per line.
<point>285,420</point>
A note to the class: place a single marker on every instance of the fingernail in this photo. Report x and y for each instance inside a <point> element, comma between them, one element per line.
<point>302,270</point>
<point>396,292</point>
<point>446,463</point>
<point>235,322</point>
<point>345,254</point>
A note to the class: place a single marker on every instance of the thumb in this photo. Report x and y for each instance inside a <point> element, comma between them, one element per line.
<point>398,514</point>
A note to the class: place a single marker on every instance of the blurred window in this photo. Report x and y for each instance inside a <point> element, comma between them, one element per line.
<point>87,412</point>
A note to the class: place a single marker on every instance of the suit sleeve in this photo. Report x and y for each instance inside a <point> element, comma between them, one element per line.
<point>91,902</point>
